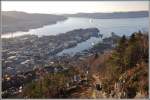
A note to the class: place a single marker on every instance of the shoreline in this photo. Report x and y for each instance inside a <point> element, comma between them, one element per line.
<point>32,27</point>
<point>33,50</point>
<point>7,34</point>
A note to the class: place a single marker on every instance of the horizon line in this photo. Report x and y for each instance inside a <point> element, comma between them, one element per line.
<point>74,13</point>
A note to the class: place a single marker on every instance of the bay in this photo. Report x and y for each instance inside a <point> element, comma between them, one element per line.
<point>120,26</point>
<point>123,26</point>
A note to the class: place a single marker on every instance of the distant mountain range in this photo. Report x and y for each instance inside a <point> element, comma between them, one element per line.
<point>110,15</point>
<point>13,21</point>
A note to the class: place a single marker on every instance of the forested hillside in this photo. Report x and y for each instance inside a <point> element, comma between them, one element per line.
<point>119,73</point>
<point>124,70</point>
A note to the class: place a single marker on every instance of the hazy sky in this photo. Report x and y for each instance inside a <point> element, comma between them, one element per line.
<point>58,7</point>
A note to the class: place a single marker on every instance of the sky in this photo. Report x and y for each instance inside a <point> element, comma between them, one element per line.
<point>71,7</point>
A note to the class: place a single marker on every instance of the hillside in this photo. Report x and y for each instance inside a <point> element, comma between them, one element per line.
<point>124,70</point>
<point>20,21</point>
<point>13,21</point>
<point>118,73</point>
<point>136,14</point>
